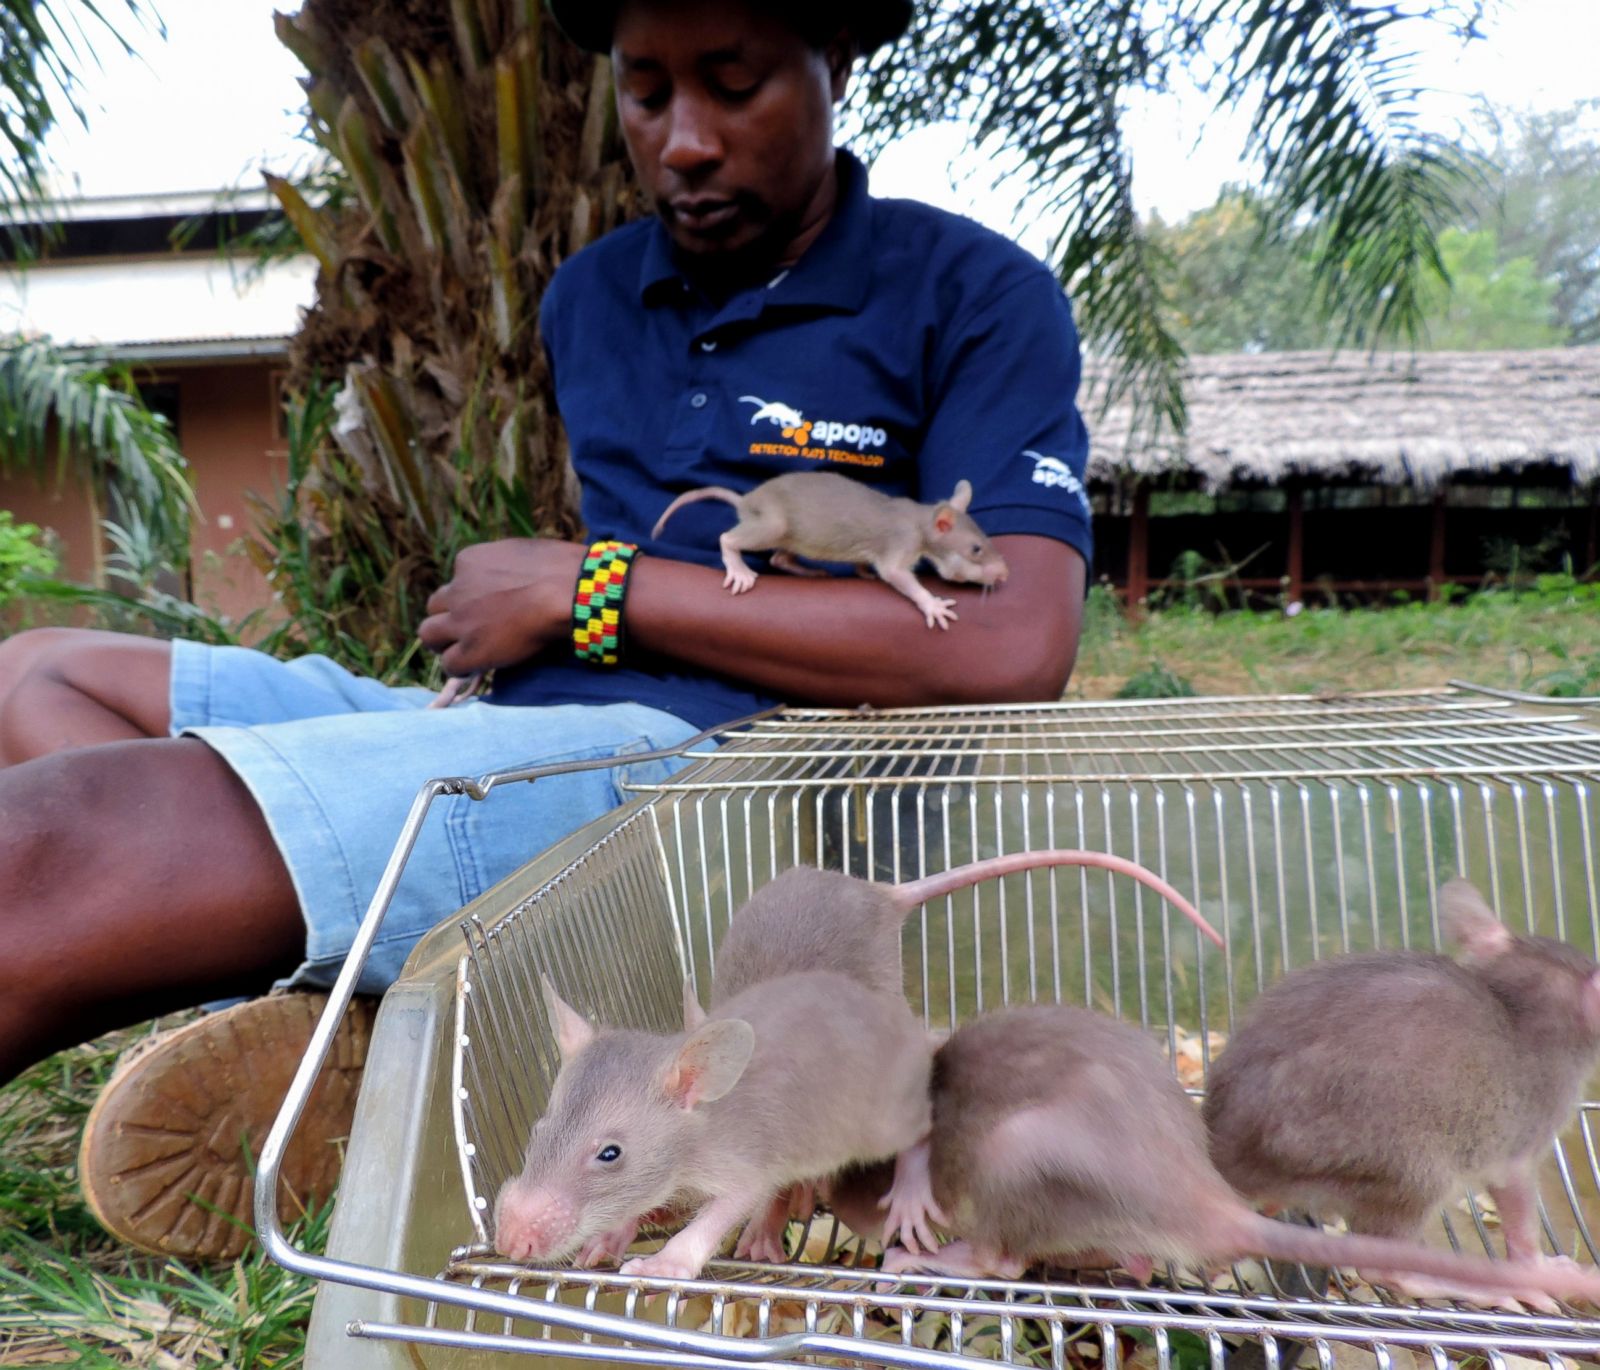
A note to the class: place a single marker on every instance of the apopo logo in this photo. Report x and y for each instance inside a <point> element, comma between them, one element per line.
<point>802,431</point>
<point>1055,474</point>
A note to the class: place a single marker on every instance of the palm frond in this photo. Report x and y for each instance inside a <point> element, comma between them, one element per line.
<point>45,45</point>
<point>1042,84</point>
<point>1343,152</point>
<point>89,413</point>
<point>1346,160</point>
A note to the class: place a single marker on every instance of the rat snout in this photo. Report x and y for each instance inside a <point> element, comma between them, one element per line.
<point>535,1223</point>
<point>998,572</point>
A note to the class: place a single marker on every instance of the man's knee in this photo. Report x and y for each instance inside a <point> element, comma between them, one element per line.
<point>24,653</point>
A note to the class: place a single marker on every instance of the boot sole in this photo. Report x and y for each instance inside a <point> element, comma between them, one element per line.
<point>169,1150</point>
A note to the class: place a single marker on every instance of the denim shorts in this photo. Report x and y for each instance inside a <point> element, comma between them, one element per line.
<point>335,760</point>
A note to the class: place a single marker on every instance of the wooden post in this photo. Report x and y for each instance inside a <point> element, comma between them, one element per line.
<point>1436,548</point>
<point>1296,567</point>
<point>1591,544</point>
<point>1138,579</point>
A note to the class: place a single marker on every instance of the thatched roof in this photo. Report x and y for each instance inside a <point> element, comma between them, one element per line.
<point>1396,418</point>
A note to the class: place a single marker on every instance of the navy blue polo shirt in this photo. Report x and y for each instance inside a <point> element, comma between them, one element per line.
<point>909,348</point>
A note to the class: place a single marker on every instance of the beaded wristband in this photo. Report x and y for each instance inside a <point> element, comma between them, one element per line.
<point>597,603</point>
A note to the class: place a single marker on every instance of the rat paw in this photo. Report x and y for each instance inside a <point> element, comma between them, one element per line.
<point>1421,1287</point>
<point>739,582</point>
<point>899,1261</point>
<point>910,1217</point>
<point>941,613</point>
<point>662,1266</point>
<point>608,1246</point>
<point>761,1246</point>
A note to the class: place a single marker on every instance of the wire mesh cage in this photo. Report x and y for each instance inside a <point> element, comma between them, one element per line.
<point>1302,827</point>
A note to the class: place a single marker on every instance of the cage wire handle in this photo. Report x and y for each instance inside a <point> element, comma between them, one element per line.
<point>1521,696</point>
<point>701,1347</point>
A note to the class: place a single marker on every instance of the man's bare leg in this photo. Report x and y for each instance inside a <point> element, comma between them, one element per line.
<point>75,687</point>
<point>136,878</point>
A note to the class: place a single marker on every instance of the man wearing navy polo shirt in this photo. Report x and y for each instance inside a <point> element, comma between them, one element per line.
<point>185,823</point>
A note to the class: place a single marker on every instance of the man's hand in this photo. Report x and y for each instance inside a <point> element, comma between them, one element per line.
<point>507,601</point>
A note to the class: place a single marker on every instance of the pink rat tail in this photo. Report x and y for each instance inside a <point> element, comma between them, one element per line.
<point>1519,1279</point>
<point>720,492</point>
<point>913,892</point>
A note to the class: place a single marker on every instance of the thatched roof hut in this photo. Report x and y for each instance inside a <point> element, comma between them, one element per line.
<point>1362,473</point>
<point>1388,418</point>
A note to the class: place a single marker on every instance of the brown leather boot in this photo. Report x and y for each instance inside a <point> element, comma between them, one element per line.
<point>169,1150</point>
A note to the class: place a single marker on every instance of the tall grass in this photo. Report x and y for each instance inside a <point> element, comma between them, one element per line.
<point>69,1295</point>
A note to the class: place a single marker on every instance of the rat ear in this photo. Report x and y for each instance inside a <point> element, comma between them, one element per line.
<point>962,497</point>
<point>573,1030</point>
<point>944,518</point>
<point>709,1063</point>
<point>693,1015</point>
<point>1471,923</point>
<point>1591,1001</point>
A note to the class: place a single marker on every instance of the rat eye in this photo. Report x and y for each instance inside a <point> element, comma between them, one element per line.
<point>609,1153</point>
<point>977,549</point>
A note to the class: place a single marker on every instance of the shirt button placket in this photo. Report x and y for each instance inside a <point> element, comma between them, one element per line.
<point>698,420</point>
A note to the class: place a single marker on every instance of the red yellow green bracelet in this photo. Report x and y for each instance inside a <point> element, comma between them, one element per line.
<point>597,603</point>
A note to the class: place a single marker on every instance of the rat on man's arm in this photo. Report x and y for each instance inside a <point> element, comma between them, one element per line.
<point>833,642</point>
<point>1000,412</point>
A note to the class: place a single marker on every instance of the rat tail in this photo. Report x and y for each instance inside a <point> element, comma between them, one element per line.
<point>1519,1279</point>
<point>721,492</point>
<point>911,893</point>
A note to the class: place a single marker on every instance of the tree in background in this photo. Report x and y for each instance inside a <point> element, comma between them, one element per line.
<point>1226,286</point>
<point>480,150</point>
<point>1492,301</point>
<point>1542,200</point>
<point>56,411</point>
<point>1347,168</point>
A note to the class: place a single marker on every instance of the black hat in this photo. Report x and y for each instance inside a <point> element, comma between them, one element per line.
<point>874,22</point>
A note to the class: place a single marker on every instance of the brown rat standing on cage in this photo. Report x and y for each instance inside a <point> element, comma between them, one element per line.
<point>810,919</point>
<point>1061,1137</point>
<point>797,1076</point>
<point>828,517</point>
<point>1374,1087</point>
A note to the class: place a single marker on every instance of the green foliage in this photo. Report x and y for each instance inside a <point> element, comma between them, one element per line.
<point>1103,619</point>
<point>1232,287</point>
<point>1577,679</point>
<point>22,555</point>
<point>90,414</point>
<point>1155,681</point>
<point>1348,169</point>
<point>1490,302</point>
<point>1542,200</point>
<point>471,149</point>
<point>66,1287</point>
<point>334,548</point>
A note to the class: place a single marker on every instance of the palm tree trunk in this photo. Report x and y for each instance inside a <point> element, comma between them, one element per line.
<point>481,151</point>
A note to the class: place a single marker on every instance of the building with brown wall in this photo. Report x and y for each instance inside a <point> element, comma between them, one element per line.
<point>150,282</point>
<point>1354,475</point>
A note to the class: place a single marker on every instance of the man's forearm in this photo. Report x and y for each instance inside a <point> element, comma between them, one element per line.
<point>846,641</point>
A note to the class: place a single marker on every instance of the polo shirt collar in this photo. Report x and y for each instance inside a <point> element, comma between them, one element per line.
<point>834,272</point>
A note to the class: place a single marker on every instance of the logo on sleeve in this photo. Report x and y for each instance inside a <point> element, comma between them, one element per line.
<point>814,438</point>
<point>1055,474</point>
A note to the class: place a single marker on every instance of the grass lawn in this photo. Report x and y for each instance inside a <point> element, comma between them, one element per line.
<point>68,1296</point>
<point>1546,641</point>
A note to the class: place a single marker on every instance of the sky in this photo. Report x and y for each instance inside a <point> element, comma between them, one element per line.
<point>217,99</point>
